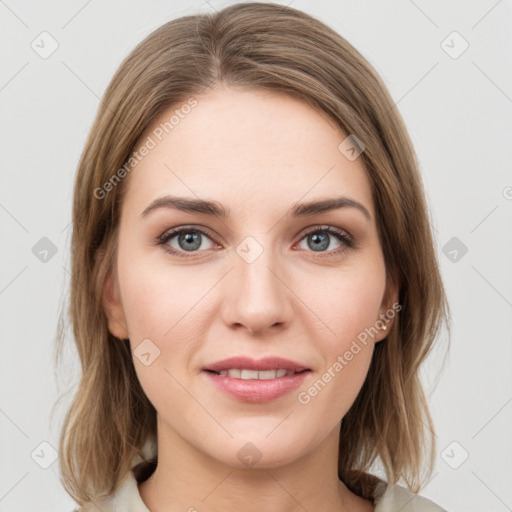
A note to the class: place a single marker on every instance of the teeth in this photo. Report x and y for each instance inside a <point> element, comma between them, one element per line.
<point>247,374</point>
<point>255,374</point>
<point>267,374</point>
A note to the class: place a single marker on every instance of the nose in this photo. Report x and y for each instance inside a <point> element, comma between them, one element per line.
<point>256,296</point>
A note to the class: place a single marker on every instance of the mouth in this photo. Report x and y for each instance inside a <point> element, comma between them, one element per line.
<point>246,374</point>
<point>251,380</point>
<point>252,368</point>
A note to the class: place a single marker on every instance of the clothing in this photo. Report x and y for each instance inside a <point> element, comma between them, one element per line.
<point>386,497</point>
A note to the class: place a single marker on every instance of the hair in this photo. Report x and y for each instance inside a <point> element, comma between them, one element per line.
<point>255,46</point>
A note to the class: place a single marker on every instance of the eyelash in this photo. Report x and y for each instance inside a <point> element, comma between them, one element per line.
<point>337,233</point>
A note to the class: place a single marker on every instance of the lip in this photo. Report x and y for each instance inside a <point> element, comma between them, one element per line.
<point>255,390</point>
<point>267,363</point>
<point>258,391</point>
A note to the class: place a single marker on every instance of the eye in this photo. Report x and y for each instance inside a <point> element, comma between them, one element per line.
<point>188,240</point>
<point>181,241</point>
<point>321,238</point>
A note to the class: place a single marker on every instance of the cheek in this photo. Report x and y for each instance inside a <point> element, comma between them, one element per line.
<point>162,312</point>
<point>346,301</point>
<point>159,301</point>
<point>348,306</point>
<point>162,309</point>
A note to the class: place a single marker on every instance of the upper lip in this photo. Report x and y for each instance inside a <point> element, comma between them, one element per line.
<point>247,363</point>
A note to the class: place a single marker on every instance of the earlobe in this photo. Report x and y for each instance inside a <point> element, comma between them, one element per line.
<point>383,330</point>
<point>114,308</point>
<point>388,309</point>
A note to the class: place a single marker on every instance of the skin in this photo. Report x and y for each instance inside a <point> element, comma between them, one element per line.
<point>256,153</point>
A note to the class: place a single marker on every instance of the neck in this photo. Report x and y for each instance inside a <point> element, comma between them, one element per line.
<point>188,479</point>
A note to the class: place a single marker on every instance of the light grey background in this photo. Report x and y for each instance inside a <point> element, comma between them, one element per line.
<point>458,111</point>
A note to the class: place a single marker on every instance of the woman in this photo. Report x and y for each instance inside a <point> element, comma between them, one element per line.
<point>254,281</point>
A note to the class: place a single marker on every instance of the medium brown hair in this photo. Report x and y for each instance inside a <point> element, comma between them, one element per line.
<point>277,48</point>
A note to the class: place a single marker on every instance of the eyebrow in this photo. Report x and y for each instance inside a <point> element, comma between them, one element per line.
<point>214,208</point>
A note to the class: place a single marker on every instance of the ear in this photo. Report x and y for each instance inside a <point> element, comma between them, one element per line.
<point>389,308</point>
<point>113,307</point>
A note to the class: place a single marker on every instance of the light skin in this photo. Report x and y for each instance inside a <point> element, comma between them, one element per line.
<point>258,154</point>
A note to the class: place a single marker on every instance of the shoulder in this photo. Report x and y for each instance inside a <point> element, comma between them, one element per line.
<point>95,506</point>
<point>88,507</point>
<point>126,498</point>
<point>391,497</point>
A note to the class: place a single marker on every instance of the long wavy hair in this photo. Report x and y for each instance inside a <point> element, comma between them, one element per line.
<point>277,48</point>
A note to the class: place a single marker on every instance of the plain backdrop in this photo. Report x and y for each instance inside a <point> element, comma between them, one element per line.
<point>447,66</point>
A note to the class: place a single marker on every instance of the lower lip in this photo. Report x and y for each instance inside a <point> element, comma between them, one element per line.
<point>255,390</point>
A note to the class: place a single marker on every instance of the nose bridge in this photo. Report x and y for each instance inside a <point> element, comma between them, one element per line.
<point>258,298</point>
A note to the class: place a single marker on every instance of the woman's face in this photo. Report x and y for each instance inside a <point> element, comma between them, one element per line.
<point>262,281</point>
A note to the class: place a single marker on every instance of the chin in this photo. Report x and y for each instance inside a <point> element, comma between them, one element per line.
<point>254,451</point>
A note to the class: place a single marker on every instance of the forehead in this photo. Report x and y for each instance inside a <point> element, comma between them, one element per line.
<point>247,149</point>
